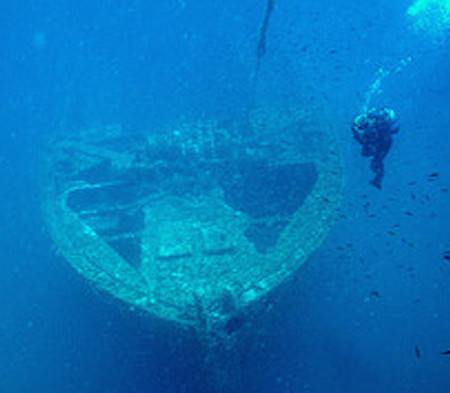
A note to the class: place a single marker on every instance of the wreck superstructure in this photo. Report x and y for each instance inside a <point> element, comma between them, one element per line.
<point>197,221</point>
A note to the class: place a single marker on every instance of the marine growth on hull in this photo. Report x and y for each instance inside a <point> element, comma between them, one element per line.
<point>197,221</point>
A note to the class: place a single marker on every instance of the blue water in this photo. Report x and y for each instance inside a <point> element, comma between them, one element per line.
<point>370,312</point>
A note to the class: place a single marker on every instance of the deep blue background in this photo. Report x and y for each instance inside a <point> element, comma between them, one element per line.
<point>377,289</point>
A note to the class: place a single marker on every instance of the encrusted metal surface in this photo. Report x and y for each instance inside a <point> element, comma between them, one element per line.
<point>195,222</point>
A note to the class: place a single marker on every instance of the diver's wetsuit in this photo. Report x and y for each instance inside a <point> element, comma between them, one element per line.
<point>373,130</point>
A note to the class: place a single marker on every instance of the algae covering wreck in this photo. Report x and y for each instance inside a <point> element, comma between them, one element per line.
<point>198,221</point>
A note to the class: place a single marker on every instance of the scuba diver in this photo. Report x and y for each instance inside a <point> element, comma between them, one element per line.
<point>373,130</point>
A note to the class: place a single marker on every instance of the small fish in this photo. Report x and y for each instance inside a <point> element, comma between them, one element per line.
<point>305,48</point>
<point>433,176</point>
<point>408,213</point>
<point>447,352</point>
<point>417,352</point>
<point>412,183</point>
<point>375,294</point>
<point>392,233</point>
